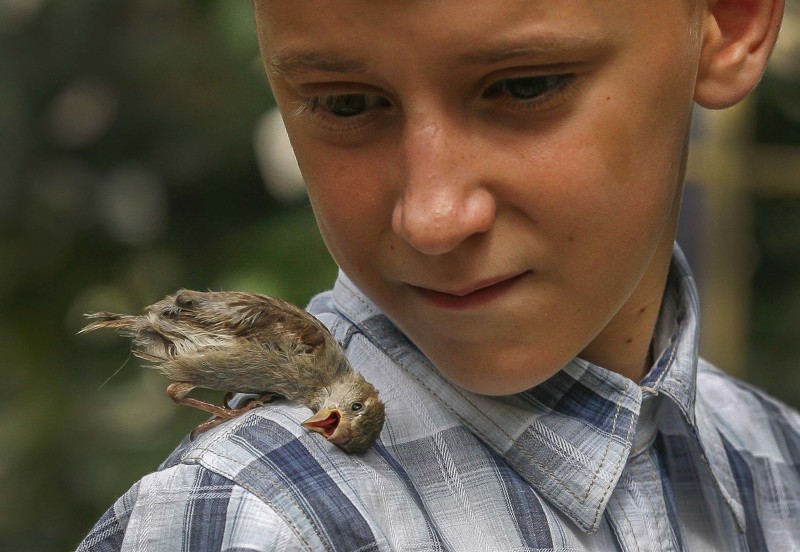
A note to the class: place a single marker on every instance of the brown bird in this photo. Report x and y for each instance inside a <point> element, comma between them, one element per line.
<point>250,343</point>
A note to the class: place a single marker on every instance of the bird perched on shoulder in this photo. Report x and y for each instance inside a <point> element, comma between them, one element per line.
<point>250,343</point>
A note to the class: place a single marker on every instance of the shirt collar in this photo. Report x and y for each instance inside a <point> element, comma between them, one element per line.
<point>571,436</point>
<point>674,376</point>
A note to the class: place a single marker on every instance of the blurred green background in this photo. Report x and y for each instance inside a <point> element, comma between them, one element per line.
<point>127,170</point>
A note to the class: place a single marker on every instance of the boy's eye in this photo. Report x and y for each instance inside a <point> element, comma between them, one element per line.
<point>347,105</point>
<point>528,88</point>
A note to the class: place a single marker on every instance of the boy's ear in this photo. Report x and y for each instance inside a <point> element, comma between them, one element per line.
<point>738,37</point>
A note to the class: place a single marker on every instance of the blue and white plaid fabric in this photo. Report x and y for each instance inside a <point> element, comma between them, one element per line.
<point>689,459</point>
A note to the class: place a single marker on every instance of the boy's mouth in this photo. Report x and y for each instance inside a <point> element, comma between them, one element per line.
<point>472,296</point>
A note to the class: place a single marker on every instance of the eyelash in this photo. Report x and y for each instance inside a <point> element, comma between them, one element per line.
<point>554,90</point>
<point>316,107</point>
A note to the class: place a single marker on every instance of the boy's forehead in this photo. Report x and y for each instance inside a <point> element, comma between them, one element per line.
<point>351,36</point>
<point>451,22</point>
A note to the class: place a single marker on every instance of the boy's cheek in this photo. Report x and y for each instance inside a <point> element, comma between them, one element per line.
<point>349,204</point>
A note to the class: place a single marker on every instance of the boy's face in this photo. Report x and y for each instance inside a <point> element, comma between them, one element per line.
<point>501,178</point>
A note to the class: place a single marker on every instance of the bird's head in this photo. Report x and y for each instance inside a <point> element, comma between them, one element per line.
<point>351,415</point>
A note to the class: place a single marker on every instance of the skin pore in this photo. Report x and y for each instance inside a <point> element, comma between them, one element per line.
<point>503,179</point>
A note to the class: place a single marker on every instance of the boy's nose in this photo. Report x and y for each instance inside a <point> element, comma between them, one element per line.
<point>443,199</point>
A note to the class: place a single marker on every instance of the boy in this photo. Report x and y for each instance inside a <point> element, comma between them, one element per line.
<point>500,183</point>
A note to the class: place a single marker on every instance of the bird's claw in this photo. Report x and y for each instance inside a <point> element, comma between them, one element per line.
<point>228,413</point>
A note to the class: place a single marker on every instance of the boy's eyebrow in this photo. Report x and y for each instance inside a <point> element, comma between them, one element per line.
<point>534,47</point>
<point>288,62</point>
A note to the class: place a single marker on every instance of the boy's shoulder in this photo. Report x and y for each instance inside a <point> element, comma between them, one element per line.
<point>249,482</point>
<point>758,438</point>
<point>747,417</point>
<point>257,482</point>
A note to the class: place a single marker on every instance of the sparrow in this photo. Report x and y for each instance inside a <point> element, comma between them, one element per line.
<point>241,342</point>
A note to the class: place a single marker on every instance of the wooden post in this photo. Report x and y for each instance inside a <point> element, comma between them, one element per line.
<point>721,162</point>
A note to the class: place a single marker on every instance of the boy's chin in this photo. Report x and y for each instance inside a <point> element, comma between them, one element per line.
<point>499,380</point>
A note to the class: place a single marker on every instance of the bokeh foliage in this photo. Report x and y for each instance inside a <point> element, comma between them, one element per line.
<point>127,171</point>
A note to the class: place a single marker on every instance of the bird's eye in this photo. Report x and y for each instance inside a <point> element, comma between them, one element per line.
<point>356,406</point>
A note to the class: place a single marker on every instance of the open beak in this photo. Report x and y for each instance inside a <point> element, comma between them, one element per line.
<point>329,423</point>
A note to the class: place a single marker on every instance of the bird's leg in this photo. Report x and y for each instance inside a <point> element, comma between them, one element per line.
<point>230,413</point>
<point>178,393</point>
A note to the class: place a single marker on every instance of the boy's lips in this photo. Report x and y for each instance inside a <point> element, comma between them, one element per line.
<point>473,295</point>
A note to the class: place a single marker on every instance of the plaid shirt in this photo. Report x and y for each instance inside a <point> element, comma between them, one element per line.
<point>689,459</point>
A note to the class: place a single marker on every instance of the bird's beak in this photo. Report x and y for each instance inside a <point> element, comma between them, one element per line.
<point>329,422</point>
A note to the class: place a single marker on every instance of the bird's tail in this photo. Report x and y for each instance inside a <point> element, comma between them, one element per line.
<point>190,354</point>
<point>152,340</point>
<point>125,324</point>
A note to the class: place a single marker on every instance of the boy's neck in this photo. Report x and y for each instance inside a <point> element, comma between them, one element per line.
<point>624,346</point>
